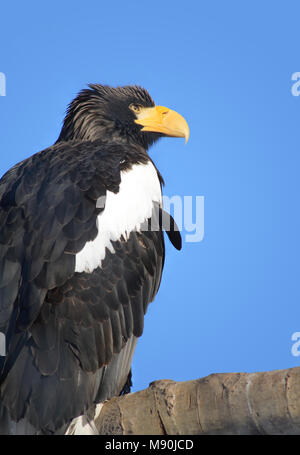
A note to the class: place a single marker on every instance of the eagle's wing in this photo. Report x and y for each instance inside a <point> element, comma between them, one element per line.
<point>70,335</point>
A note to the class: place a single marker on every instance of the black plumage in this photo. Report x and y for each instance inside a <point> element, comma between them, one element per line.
<point>65,329</point>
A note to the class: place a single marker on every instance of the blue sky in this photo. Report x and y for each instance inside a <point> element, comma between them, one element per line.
<point>231,302</point>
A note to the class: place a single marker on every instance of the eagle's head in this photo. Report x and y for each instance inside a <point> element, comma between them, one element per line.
<point>120,113</point>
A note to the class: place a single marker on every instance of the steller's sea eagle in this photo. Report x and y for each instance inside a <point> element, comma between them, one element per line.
<point>81,257</point>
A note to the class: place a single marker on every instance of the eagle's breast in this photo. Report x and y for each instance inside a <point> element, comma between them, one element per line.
<point>124,212</point>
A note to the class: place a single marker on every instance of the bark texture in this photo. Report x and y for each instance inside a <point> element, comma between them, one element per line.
<point>229,403</point>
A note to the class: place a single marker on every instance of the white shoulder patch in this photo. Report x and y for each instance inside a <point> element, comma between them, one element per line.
<point>123,213</point>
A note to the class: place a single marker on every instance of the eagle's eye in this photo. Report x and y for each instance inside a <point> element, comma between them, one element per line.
<point>135,108</point>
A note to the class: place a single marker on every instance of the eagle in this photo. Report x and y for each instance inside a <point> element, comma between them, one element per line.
<point>81,257</point>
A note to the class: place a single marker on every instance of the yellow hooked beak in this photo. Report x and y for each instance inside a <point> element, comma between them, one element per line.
<point>160,119</point>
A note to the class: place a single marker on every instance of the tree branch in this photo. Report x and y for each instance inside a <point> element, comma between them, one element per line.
<point>232,403</point>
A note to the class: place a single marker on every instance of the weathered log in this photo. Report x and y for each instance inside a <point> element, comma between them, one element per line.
<point>226,403</point>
